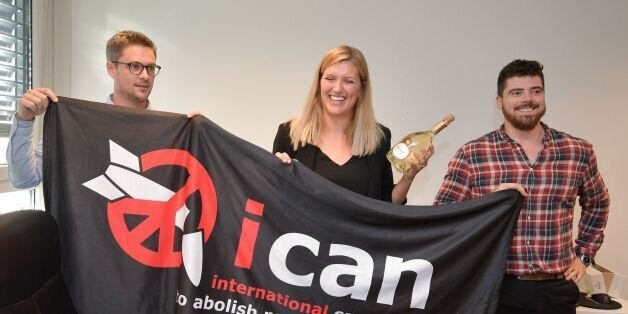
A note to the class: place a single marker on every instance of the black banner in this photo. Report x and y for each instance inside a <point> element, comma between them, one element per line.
<point>163,214</point>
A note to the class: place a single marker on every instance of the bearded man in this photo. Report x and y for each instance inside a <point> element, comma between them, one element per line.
<point>551,169</point>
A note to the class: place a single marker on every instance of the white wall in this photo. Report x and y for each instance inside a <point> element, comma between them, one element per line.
<point>247,65</point>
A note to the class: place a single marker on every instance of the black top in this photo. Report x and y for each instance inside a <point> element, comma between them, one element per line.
<point>376,182</point>
<point>352,175</point>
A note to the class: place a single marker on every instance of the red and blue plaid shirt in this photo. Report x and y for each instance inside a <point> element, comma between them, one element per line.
<point>565,169</point>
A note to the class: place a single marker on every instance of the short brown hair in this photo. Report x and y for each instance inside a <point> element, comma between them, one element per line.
<point>126,38</point>
<point>519,67</point>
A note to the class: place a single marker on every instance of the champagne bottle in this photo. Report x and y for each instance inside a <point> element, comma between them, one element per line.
<point>414,142</point>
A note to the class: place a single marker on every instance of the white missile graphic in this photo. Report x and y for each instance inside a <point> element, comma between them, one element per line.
<point>133,184</point>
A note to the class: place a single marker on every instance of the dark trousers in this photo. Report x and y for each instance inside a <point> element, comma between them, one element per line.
<point>557,296</point>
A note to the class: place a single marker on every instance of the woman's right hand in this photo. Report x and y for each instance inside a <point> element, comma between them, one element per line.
<point>284,158</point>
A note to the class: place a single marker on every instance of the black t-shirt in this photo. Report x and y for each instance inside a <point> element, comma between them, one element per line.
<point>378,179</point>
<point>352,175</point>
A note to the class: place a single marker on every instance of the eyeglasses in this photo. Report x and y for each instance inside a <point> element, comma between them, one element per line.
<point>137,68</point>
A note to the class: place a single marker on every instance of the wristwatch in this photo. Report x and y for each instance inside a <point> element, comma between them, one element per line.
<point>587,260</point>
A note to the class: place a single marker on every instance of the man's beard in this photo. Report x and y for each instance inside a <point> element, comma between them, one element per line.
<point>524,123</point>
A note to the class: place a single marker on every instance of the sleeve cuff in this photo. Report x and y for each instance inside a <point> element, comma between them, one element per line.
<point>22,125</point>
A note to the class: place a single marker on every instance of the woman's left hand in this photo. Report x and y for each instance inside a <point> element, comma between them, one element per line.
<point>418,161</point>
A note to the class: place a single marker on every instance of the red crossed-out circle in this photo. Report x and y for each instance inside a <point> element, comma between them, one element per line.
<point>160,216</point>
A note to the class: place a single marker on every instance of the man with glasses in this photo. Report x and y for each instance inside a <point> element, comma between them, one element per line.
<point>131,63</point>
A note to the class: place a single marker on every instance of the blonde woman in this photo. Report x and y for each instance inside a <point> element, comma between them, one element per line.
<point>336,135</point>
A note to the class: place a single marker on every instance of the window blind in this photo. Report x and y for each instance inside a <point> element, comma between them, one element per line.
<point>15,57</point>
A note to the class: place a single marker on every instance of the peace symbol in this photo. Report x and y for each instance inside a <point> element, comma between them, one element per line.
<point>160,216</point>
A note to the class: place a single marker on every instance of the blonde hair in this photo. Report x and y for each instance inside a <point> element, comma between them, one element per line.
<point>364,131</point>
<point>123,39</point>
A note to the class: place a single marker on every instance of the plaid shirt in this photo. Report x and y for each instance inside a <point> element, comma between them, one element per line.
<point>565,169</point>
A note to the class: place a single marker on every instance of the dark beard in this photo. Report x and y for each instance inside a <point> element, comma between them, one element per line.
<point>523,123</point>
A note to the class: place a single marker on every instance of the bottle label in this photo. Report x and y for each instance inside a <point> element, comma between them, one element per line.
<point>401,151</point>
